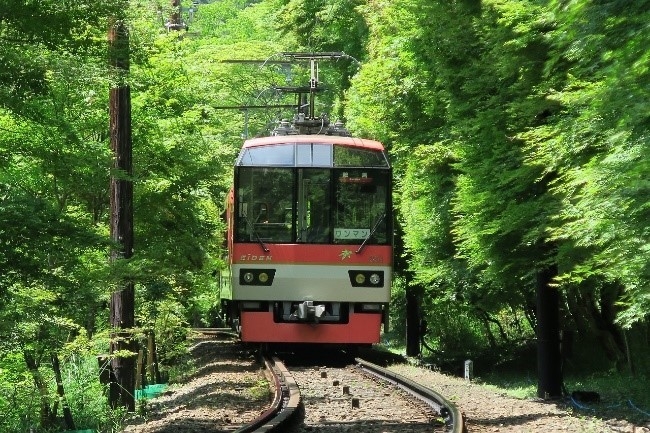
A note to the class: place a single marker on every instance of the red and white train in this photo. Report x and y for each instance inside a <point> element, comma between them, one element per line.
<point>310,236</point>
<point>310,239</point>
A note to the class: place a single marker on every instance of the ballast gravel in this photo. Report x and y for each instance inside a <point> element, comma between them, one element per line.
<point>346,400</point>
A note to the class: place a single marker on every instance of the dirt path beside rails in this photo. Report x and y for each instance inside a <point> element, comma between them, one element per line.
<point>227,390</point>
<point>489,411</point>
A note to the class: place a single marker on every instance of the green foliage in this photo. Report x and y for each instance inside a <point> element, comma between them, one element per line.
<point>171,331</point>
<point>397,311</point>
<point>237,21</point>
<point>16,393</point>
<point>426,207</point>
<point>599,149</point>
<point>406,112</point>
<point>320,25</point>
<point>84,394</point>
<point>31,30</point>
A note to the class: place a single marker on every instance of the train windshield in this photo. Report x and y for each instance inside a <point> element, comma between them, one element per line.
<point>326,205</point>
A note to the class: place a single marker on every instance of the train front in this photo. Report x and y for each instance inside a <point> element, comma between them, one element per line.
<point>310,240</point>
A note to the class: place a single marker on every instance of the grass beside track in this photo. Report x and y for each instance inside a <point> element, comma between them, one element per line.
<point>622,395</point>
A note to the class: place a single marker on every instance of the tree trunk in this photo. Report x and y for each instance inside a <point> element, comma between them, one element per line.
<point>413,334</point>
<point>593,310</point>
<point>46,417</point>
<point>152,358</point>
<point>487,319</point>
<point>140,371</point>
<point>175,18</point>
<point>610,334</point>
<point>67,413</point>
<point>549,360</point>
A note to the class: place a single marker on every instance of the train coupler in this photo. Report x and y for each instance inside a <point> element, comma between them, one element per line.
<point>307,311</point>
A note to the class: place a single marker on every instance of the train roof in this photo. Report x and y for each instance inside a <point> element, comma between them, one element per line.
<point>308,139</point>
<point>312,151</point>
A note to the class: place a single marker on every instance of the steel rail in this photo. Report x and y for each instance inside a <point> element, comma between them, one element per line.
<point>223,332</point>
<point>447,410</point>
<point>285,402</point>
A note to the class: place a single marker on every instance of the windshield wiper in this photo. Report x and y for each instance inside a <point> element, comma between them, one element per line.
<point>372,232</point>
<point>257,236</point>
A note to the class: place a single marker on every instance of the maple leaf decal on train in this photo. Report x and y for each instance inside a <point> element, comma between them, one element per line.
<point>345,254</point>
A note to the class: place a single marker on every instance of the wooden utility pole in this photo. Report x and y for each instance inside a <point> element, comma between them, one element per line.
<point>175,19</point>
<point>122,306</point>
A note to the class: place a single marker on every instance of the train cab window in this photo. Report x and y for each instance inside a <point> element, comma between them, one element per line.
<point>361,213</point>
<point>264,204</point>
<point>314,204</point>
<point>312,193</point>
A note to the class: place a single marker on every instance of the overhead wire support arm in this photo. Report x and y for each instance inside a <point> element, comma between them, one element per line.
<point>254,62</point>
<point>251,107</point>
<point>326,55</point>
<point>305,120</point>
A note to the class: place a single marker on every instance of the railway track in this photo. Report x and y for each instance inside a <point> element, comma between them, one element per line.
<point>452,417</point>
<point>334,385</point>
<point>360,398</point>
<point>228,392</point>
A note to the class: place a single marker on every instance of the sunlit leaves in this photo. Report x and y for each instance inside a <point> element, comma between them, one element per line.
<point>599,147</point>
<point>320,25</point>
<point>31,30</point>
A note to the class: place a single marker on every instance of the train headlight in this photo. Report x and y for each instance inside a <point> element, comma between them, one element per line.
<point>256,277</point>
<point>366,278</point>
